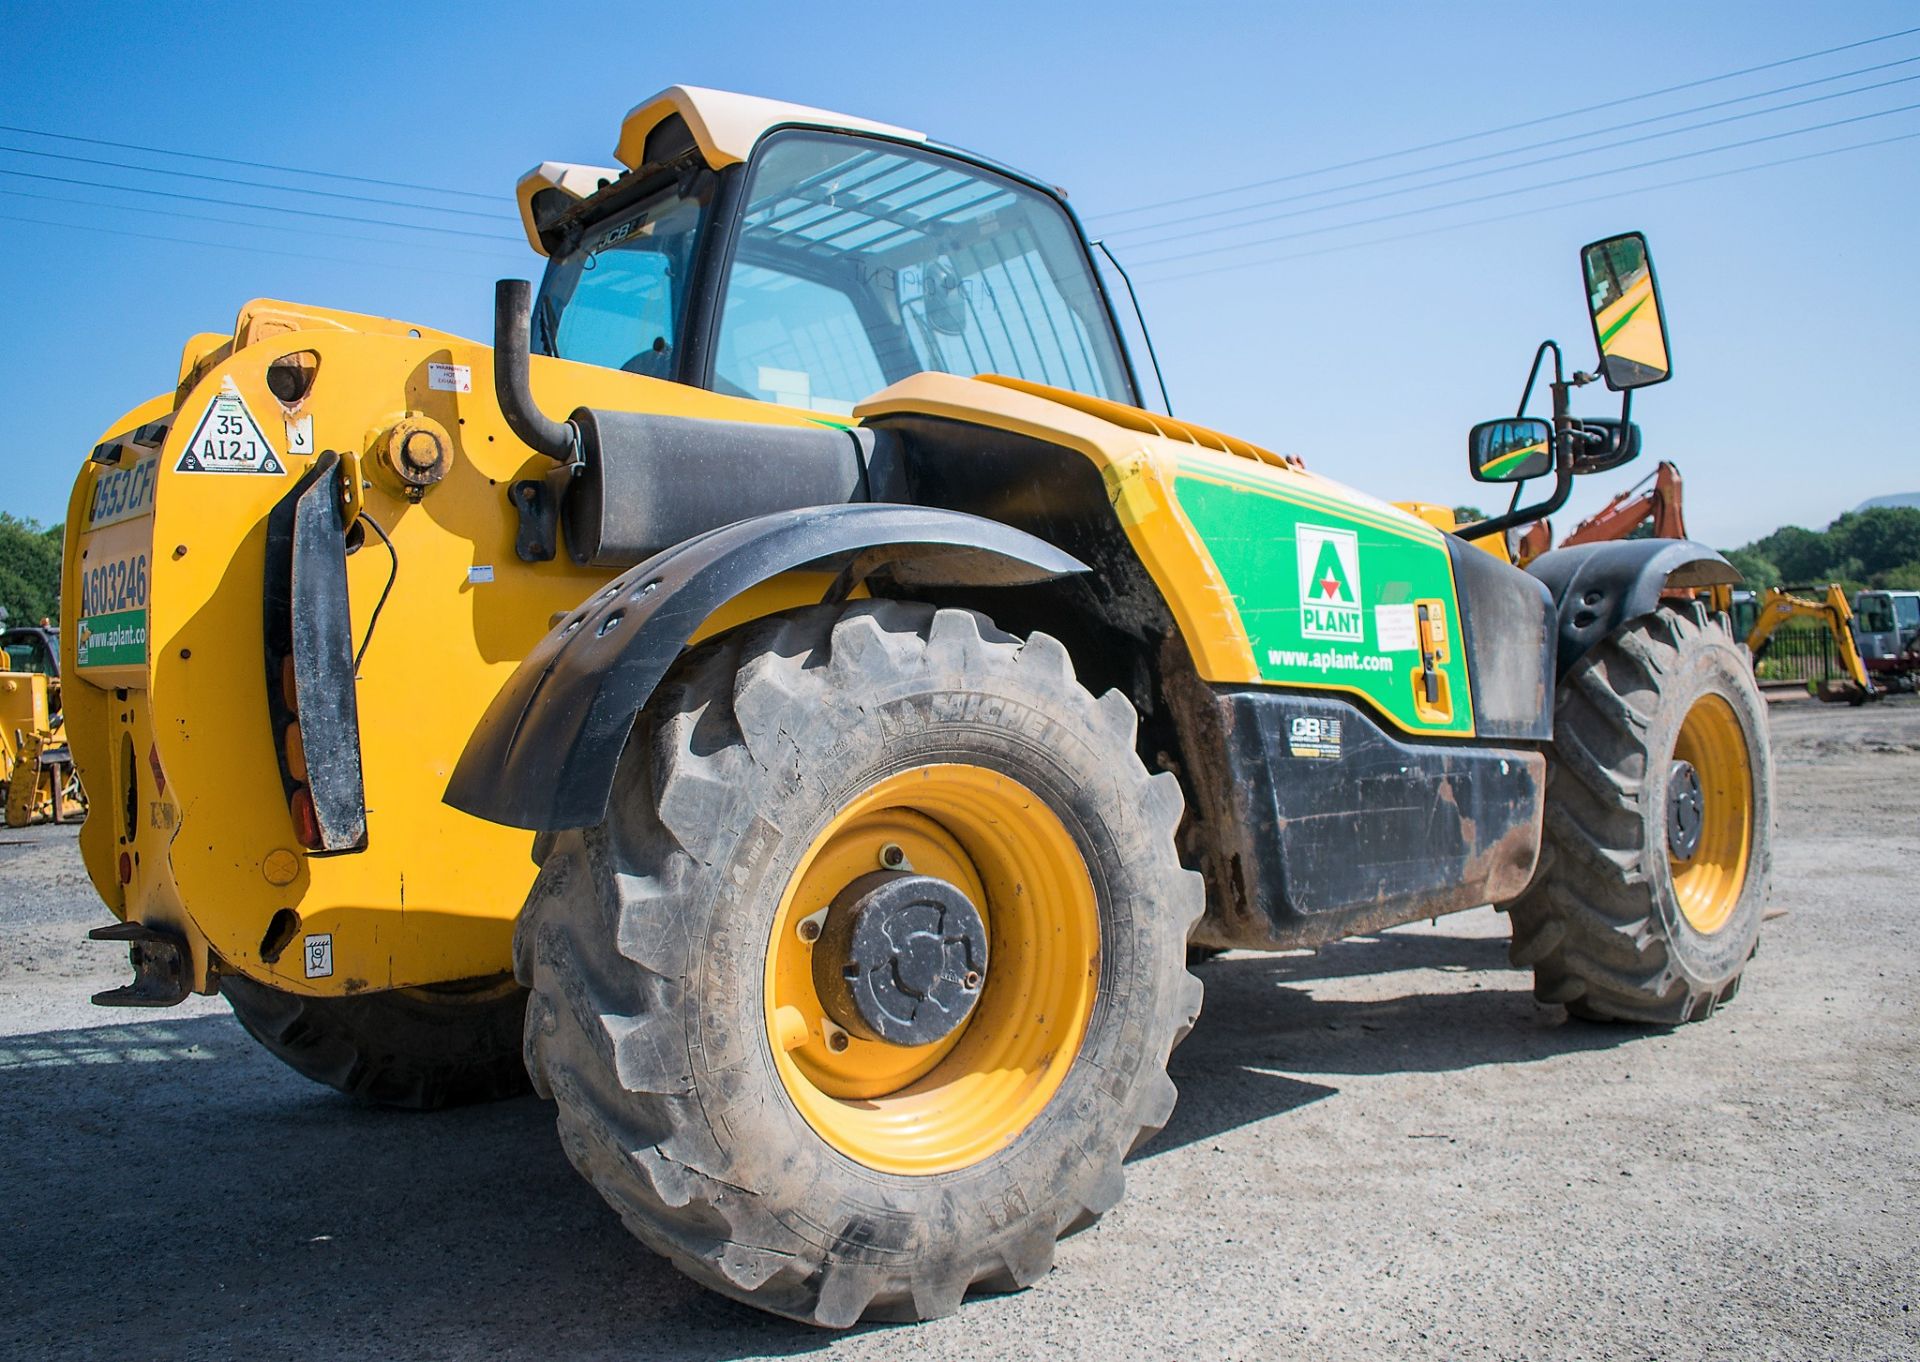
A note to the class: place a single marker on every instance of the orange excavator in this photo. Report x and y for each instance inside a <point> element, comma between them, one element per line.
<point>1619,518</point>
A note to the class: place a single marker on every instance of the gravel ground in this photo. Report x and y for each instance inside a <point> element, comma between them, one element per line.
<point>1384,1149</point>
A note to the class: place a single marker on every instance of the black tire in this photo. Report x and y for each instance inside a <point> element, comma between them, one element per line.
<point>1602,926</point>
<point>417,1048</point>
<point>646,962</point>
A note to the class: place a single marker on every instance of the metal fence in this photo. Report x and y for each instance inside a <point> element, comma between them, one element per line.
<point>1796,656</point>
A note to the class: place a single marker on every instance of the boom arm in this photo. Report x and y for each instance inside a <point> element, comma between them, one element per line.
<point>1620,517</point>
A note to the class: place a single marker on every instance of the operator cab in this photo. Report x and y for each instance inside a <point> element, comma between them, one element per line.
<point>792,256</point>
<point>1887,623</point>
<point>30,649</point>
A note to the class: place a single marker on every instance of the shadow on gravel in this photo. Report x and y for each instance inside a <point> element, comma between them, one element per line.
<point>1260,1028</point>
<point>173,1192</point>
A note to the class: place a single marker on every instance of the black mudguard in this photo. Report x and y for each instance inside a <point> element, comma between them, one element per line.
<point>1596,588</point>
<point>309,621</point>
<point>543,756</point>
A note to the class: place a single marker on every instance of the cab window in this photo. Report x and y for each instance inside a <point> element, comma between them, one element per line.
<point>26,652</point>
<point>1875,614</point>
<point>859,262</point>
<point>618,296</point>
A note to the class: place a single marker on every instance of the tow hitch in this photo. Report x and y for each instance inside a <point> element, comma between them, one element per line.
<point>159,960</point>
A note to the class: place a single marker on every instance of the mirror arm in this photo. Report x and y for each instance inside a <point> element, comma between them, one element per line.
<point>1526,393</point>
<point>1564,434</point>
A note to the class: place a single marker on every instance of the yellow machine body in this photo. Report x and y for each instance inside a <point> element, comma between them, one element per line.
<point>191,830</point>
<point>176,747</point>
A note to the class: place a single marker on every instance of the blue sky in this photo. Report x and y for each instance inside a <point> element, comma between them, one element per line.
<point>1791,291</point>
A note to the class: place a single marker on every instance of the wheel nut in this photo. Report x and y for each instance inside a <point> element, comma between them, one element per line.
<point>836,1041</point>
<point>809,930</point>
<point>892,857</point>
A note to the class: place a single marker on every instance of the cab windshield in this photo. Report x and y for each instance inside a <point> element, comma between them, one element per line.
<point>859,263</point>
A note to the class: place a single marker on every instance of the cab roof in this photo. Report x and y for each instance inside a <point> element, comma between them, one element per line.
<point>725,127</point>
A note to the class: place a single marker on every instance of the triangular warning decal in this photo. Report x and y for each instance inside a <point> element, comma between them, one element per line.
<point>228,439</point>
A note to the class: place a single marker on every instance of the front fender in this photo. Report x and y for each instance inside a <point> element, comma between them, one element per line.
<point>544,754</point>
<point>1596,588</point>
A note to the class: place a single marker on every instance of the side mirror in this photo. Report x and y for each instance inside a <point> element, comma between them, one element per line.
<point>1510,450</point>
<point>1607,444</point>
<point>1623,298</point>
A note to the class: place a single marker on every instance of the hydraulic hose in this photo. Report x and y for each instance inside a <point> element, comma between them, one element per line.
<point>511,383</point>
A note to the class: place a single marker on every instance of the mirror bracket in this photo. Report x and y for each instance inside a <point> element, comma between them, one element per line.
<point>1565,432</point>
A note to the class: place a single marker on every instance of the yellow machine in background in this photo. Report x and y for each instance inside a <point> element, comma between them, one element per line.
<point>36,773</point>
<point>1776,606</point>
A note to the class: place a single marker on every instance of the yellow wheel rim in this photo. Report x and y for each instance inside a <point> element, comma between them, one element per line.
<point>1708,882</point>
<point>935,1108</point>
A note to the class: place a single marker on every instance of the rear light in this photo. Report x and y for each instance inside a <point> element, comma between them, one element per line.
<point>126,868</point>
<point>296,754</point>
<point>289,691</point>
<point>306,823</point>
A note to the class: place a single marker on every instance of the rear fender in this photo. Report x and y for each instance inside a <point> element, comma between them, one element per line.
<point>543,757</point>
<point>1596,588</point>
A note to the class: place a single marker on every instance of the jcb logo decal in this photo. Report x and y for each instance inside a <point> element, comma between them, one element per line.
<point>1330,584</point>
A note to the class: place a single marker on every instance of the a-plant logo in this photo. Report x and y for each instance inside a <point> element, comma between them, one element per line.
<point>1330,584</point>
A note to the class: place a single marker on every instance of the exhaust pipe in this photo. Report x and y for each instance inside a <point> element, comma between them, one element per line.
<point>513,388</point>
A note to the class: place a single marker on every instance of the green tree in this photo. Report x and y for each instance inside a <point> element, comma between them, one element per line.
<point>1801,555</point>
<point>1468,514</point>
<point>29,570</point>
<point>1906,577</point>
<point>1760,571</point>
<point>1881,539</point>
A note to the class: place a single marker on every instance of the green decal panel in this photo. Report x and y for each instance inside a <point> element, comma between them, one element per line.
<point>112,640</point>
<point>1332,595</point>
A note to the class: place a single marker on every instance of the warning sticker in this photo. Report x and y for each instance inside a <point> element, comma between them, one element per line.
<point>450,378</point>
<point>317,952</point>
<point>1396,628</point>
<point>228,439</point>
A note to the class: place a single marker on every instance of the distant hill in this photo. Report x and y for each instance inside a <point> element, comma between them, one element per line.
<point>1895,499</point>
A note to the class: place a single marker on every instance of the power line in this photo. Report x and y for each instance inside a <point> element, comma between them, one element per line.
<point>1511,127</point>
<point>258,208</point>
<point>250,184</point>
<point>1524,165</point>
<point>1610,195</point>
<point>1514,151</point>
<point>1530,188</point>
<point>254,165</point>
<point>230,246</point>
<point>277,228</point>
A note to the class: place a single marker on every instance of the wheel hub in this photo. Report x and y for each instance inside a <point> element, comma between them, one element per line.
<point>1686,810</point>
<point>901,959</point>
